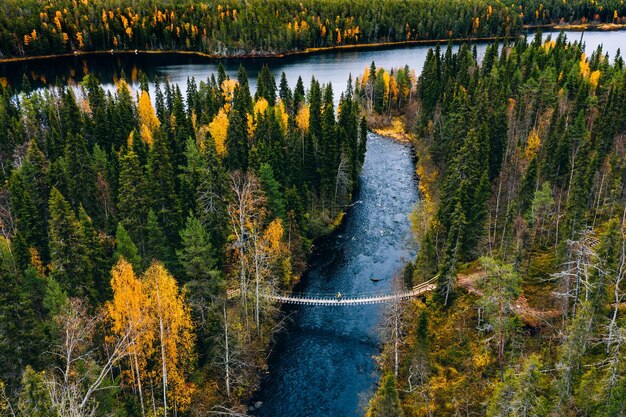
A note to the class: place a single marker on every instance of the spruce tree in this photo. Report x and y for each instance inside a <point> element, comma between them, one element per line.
<point>196,256</point>
<point>21,334</point>
<point>161,183</point>
<point>70,264</point>
<point>125,248</point>
<point>285,94</point>
<point>132,202</point>
<point>237,144</point>
<point>266,86</point>
<point>34,399</point>
<point>272,189</point>
<point>80,175</point>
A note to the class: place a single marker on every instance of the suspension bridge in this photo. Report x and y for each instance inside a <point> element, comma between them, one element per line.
<point>348,300</point>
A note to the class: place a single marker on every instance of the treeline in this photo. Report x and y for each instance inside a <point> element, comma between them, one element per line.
<point>522,221</point>
<point>235,27</point>
<point>106,197</point>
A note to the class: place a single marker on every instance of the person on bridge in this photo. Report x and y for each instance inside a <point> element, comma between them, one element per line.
<point>338,296</point>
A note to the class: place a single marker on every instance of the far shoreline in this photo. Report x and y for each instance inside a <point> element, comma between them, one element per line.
<point>591,27</point>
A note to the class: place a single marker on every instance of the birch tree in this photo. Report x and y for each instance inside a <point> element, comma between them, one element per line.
<point>78,375</point>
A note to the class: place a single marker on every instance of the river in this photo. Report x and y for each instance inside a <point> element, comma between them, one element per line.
<point>322,365</point>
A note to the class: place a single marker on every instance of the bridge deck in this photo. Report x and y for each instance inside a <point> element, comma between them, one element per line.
<point>347,301</point>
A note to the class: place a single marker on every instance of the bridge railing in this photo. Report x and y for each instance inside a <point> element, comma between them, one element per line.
<point>309,295</point>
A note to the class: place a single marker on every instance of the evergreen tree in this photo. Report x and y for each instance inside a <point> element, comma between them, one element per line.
<point>213,194</point>
<point>285,93</point>
<point>197,255</point>
<point>70,263</point>
<point>266,86</point>
<point>161,183</point>
<point>243,98</point>
<point>466,188</point>
<point>20,331</point>
<point>34,399</point>
<point>125,248</point>
<point>298,95</point>
<point>133,203</point>
<point>190,176</point>
<point>157,246</point>
<point>272,190</point>
<point>386,401</point>
<point>329,154</point>
<point>80,175</point>
<point>237,144</point>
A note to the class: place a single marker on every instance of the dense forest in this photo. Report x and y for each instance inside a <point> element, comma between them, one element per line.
<point>237,27</point>
<point>138,234</point>
<point>522,221</point>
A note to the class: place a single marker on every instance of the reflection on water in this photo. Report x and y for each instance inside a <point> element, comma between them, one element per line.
<point>333,67</point>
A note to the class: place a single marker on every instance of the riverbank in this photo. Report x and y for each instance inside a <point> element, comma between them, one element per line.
<point>392,128</point>
<point>308,51</point>
<point>246,56</point>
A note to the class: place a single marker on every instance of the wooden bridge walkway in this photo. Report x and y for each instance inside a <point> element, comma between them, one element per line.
<point>354,300</point>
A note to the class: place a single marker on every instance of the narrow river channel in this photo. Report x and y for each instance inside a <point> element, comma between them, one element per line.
<point>323,364</point>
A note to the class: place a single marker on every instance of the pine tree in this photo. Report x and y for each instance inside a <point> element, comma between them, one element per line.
<point>80,175</point>
<point>237,143</point>
<point>243,99</point>
<point>266,86</point>
<point>28,191</point>
<point>213,195</point>
<point>271,188</point>
<point>125,248</point>
<point>299,96</point>
<point>197,255</point>
<point>161,183</point>
<point>69,255</point>
<point>34,399</point>
<point>285,94</point>
<point>157,245</point>
<point>466,188</point>
<point>133,203</point>
<point>329,148</point>
<point>20,331</point>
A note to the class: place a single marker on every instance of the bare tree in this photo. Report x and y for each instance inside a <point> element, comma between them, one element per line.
<point>230,357</point>
<point>342,179</point>
<point>243,211</point>
<point>618,295</point>
<point>574,277</point>
<point>73,383</point>
<point>395,323</point>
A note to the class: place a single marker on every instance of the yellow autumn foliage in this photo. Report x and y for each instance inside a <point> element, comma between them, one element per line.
<point>228,91</point>
<point>260,106</point>
<point>532,145</point>
<point>174,333</point>
<point>584,65</point>
<point>282,116</point>
<point>218,129</point>
<point>303,117</point>
<point>273,237</point>
<point>594,78</point>
<point>129,313</point>
<point>148,119</point>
